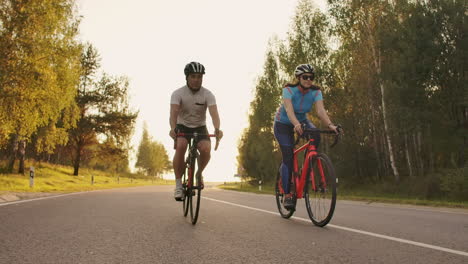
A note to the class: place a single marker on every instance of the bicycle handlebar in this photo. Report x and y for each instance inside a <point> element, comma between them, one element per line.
<point>308,131</point>
<point>196,135</point>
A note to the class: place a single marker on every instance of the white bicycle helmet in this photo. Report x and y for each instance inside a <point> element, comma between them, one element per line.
<point>304,68</point>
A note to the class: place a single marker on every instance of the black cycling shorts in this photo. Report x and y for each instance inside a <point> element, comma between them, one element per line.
<point>201,130</point>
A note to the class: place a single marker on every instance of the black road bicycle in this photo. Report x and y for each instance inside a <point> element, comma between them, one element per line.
<point>192,182</point>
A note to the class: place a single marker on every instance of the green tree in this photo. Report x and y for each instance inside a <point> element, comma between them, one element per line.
<point>39,62</point>
<point>307,42</point>
<point>152,157</point>
<point>109,156</point>
<point>104,110</point>
<point>258,155</point>
<point>360,26</point>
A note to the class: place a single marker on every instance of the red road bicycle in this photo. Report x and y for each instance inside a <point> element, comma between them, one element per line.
<point>315,182</point>
<point>192,183</point>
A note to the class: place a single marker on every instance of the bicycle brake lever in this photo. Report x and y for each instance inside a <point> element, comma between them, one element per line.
<point>339,129</point>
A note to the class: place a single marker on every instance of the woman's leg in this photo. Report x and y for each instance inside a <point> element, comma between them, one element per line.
<point>309,124</point>
<point>284,134</point>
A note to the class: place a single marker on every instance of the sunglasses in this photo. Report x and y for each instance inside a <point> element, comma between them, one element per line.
<point>307,77</point>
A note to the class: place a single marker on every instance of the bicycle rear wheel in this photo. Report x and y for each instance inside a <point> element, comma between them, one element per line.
<point>279,193</point>
<point>321,198</point>
<point>195,191</point>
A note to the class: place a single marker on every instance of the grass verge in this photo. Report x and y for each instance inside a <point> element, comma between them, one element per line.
<point>354,196</point>
<point>56,178</point>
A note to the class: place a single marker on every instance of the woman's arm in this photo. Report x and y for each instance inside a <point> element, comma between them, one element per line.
<point>322,114</point>
<point>292,117</point>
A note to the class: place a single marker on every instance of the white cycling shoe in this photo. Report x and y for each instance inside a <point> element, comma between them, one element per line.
<point>179,193</point>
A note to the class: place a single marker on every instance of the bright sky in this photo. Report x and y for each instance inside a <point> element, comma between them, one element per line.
<point>150,41</point>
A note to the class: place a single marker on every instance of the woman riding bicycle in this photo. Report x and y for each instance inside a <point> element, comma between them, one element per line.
<point>298,99</point>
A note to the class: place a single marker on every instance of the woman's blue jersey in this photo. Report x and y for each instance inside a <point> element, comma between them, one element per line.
<point>302,101</point>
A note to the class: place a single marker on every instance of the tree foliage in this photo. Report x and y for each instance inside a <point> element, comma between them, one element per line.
<point>39,68</point>
<point>105,114</point>
<point>152,157</point>
<point>258,154</point>
<point>393,73</point>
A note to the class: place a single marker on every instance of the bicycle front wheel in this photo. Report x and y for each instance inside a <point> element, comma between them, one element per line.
<point>320,190</point>
<point>195,196</point>
<point>279,193</point>
<point>187,197</point>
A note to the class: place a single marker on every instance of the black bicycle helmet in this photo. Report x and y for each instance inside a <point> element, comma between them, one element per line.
<point>304,68</point>
<point>194,67</point>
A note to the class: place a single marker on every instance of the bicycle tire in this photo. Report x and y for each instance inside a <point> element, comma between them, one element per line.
<point>280,197</point>
<point>321,202</point>
<point>186,201</point>
<point>195,192</point>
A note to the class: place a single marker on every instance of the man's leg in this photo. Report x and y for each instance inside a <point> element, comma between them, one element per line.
<point>179,166</point>
<point>204,147</point>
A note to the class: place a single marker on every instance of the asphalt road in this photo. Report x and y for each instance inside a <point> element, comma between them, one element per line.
<point>146,225</point>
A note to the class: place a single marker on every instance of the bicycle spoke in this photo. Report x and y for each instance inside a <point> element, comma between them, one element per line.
<point>321,200</point>
<point>186,201</point>
<point>195,194</point>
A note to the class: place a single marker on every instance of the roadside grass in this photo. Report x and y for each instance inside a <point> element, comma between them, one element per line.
<point>246,187</point>
<point>354,196</point>
<point>57,178</point>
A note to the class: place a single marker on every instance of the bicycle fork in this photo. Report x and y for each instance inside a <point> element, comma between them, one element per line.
<point>323,183</point>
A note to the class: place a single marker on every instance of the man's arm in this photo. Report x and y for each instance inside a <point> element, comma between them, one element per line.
<point>216,121</point>
<point>173,118</point>
<point>214,116</point>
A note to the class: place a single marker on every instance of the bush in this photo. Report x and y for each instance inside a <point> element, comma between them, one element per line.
<point>454,184</point>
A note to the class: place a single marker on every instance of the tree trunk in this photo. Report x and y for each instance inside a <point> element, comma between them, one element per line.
<point>22,152</point>
<point>377,64</point>
<point>13,153</point>
<point>417,155</point>
<point>461,152</point>
<point>77,160</point>
<point>386,160</point>
<point>389,142</point>
<point>421,158</point>
<point>376,149</point>
<point>408,158</point>
<point>431,152</point>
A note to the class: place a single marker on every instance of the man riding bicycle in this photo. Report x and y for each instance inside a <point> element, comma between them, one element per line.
<point>188,115</point>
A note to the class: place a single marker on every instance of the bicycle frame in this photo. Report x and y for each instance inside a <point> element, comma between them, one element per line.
<point>299,182</point>
<point>316,185</point>
<point>192,151</point>
<point>192,185</point>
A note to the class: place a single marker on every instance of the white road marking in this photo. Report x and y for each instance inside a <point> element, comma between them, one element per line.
<point>47,197</point>
<point>405,241</point>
